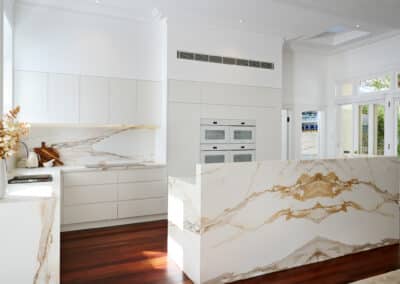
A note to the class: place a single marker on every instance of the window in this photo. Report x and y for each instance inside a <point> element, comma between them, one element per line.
<point>376,84</point>
<point>346,129</point>
<point>310,130</point>
<point>398,80</point>
<point>379,129</point>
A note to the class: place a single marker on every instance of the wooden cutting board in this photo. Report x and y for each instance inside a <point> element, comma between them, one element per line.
<point>46,154</point>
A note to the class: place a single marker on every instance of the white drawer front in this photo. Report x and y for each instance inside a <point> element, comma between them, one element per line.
<point>134,208</point>
<point>90,194</point>
<point>90,178</point>
<point>142,190</point>
<point>142,175</point>
<point>89,213</point>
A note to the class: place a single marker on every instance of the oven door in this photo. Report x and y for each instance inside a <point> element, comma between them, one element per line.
<point>214,134</point>
<point>214,157</point>
<point>242,134</point>
<point>243,156</point>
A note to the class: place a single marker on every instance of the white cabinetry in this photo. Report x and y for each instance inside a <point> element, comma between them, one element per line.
<point>149,103</point>
<point>93,100</point>
<point>114,196</point>
<point>61,98</point>
<point>188,102</point>
<point>30,94</point>
<point>123,101</point>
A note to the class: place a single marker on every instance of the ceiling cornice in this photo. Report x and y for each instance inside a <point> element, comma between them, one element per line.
<point>329,51</point>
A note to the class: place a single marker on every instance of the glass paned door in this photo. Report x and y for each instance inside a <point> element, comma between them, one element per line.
<point>379,129</point>
<point>310,134</point>
<point>363,131</point>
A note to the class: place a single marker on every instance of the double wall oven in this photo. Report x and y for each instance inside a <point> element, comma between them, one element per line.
<point>227,141</point>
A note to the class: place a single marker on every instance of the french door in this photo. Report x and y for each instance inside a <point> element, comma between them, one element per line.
<point>362,128</point>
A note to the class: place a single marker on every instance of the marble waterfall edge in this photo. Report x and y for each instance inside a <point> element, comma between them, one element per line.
<point>257,218</point>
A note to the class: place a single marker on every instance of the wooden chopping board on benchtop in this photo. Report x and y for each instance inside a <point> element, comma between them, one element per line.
<point>46,154</point>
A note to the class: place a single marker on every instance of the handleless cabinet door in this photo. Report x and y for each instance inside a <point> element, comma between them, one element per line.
<point>90,194</point>
<point>90,178</point>
<point>145,207</point>
<point>89,213</point>
<point>123,101</point>
<point>140,175</point>
<point>63,98</point>
<point>149,102</point>
<point>142,190</point>
<point>31,95</point>
<point>93,100</point>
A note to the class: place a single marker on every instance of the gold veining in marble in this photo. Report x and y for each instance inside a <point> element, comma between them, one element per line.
<point>329,186</point>
<point>306,188</point>
<point>318,249</point>
<point>47,212</point>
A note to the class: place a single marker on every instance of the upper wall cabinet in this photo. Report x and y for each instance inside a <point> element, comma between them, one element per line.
<point>149,102</point>
<point>123,101</point>
<point>63,98</point>
<point>60,98</point>
<point>93,100</point>
<point>30,94</point>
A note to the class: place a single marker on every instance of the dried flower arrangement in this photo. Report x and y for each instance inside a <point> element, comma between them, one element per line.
<point>11,131</point>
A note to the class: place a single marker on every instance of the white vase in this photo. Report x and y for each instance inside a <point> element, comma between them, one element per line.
<point>3,178</point>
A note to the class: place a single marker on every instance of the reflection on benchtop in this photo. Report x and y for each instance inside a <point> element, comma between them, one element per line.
<point>33,191</point>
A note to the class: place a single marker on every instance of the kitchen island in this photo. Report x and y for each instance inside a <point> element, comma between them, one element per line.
<point>237,221</point>
<point>30,230</point>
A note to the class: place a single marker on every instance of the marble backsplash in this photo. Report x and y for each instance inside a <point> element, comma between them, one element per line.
<point>79,146</point>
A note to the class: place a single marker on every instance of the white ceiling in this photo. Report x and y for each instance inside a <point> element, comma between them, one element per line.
<point>295,20</point>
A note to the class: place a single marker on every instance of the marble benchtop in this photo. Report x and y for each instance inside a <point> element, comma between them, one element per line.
<point>30,226</point>
<point>33,191</point>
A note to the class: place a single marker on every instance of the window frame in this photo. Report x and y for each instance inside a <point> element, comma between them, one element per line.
<point>389,98</point>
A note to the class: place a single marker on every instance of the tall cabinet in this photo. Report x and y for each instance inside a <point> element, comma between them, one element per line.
<point>189,102</point>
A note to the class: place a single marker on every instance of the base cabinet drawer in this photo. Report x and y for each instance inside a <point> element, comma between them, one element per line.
<point>89,213</point>
<point>142,175</point>
<point>90,194</point>
<point>135,208</point>
<point>90,178</point>
<point>142,190</point>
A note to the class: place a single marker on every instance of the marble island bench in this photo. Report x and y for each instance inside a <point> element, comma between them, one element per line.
<point>30,230</point>
<point>237,221</point>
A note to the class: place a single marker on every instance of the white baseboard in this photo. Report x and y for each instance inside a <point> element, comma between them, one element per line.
<point>111,223</point>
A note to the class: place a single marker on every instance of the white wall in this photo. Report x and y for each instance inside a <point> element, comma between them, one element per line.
<point>304,89</point>
<point>8,54</point>
<point>209,40</point>
<point>50,40</point>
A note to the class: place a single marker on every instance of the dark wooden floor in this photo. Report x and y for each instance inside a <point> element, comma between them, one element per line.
<point>138,254</point>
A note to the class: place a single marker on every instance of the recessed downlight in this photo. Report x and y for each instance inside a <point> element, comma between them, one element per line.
<point>241,21</point>
<point>97,1</point>
<point>358,26</point>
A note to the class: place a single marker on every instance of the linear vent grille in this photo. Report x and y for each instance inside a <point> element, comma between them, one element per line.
<point>224,60</point>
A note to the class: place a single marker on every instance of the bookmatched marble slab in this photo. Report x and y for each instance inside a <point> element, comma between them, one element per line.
<point>249,219</point>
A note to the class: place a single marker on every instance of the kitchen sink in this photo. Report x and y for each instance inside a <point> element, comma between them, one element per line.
<point>30,179</point>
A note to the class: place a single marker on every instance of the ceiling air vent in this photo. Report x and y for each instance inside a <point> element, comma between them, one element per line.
<point>224,60</point>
